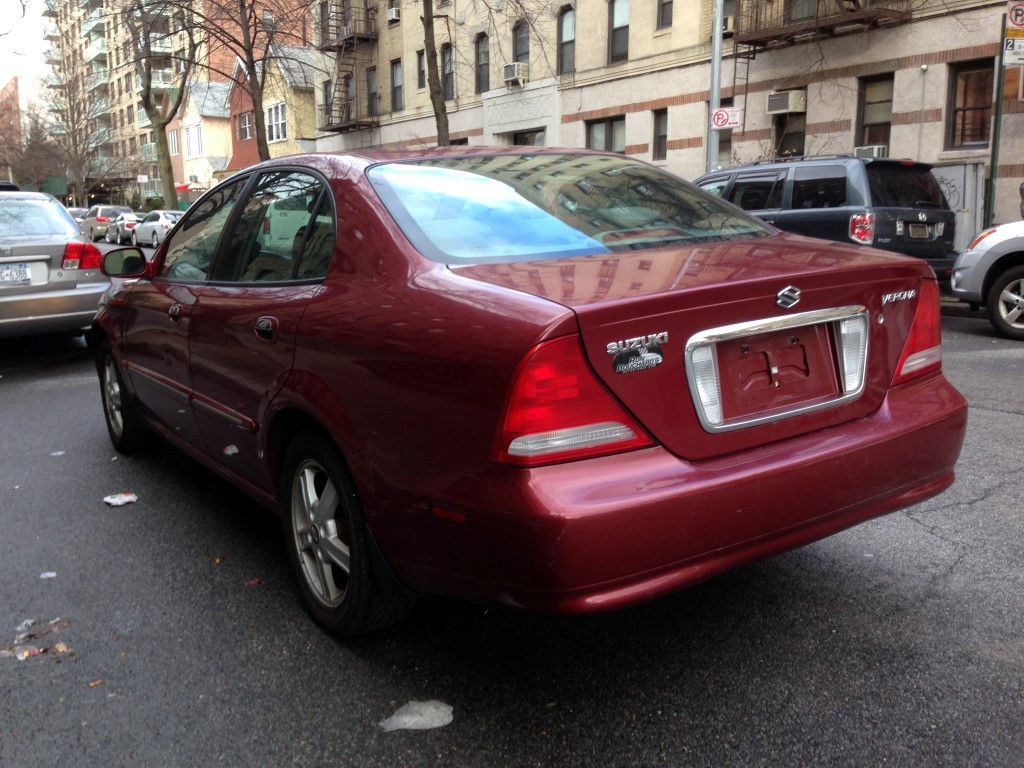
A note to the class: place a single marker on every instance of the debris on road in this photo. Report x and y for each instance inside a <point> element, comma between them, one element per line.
<point>419,716</point>
<point>120,499</point>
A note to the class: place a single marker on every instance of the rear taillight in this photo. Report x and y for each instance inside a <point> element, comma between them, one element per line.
<point>101,219</point>
<point>557,410</point>
<point>862,228</point>
<point>81,256</point>
<point>922,352</point>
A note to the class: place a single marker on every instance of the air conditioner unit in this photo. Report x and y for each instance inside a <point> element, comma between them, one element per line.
<point>443,3</point>
<point>872,150</point>
<point>786,102</point>
<point>394,14</point>
<point>345,32</point>
<point>516,72</point>
<point>728,26</point>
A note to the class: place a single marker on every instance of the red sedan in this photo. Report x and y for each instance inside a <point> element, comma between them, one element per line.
<point>554,379</point>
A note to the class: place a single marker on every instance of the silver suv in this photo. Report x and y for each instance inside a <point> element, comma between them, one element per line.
<point>98,218</point>
<point>990,273</point>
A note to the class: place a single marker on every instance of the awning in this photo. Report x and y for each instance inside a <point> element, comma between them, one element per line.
<point>182,187</point>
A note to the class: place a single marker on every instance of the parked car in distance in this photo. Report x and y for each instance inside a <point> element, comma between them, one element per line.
<point>153,227</point>
<point>97,218</point>
<point>895,205</point>
<point>50,278</point>
<point>990,273</point>
<point>78,214</point>
<point>120,229</point>
<point>554,379</point>
<point>8,186</point>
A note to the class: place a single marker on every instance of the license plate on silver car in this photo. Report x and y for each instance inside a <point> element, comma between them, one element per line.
<point>15,274</point>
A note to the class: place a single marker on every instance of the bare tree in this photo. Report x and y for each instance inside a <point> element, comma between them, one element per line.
<point>149,24</point>
<point>433,78</point>
<point>39,157</point>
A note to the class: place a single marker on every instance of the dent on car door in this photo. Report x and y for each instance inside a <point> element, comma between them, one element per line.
<point>157,337</point>
<point>244,324</point>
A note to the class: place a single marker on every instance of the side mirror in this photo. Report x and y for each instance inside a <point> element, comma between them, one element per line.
<point>124,262</point>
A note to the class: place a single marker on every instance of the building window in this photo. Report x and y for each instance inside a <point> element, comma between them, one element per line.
<point>421,70</point>
<point>608,135</point>
<point>566,41</point>
<point>876,110</point>
<point>529,138</point>
<point>664,14</point>
<point>371,92</point>
<point>725,140</point>
<point>971,112</point>
<point>194,141</point>
<point>660,141</point>
<point>327,94</point>
<point>243,126</point>
<point>172,142</point>
<point>521,42</point>
<point>483,64</point>
<point>277,122</point>
<point>396,87</point>
<point>447,73</point>
<point>618,30</point>
<point>801,10</point>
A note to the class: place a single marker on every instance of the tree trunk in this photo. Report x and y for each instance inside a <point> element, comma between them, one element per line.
<point>433,79</point>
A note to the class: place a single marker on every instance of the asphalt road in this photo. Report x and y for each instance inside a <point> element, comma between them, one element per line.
<point>183,642</point>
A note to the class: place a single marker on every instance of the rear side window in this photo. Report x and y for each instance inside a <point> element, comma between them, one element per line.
<point>756,192</point>
<point>822,186</point>
<point>904,186</point>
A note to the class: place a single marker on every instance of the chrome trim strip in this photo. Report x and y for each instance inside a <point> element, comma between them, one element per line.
<point>713,336</point>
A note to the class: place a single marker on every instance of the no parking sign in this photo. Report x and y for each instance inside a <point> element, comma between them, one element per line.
<point>729,117</point>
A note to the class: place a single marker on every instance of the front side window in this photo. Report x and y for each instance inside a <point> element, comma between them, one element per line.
<point>971,113</point>
<point>277,122</point>
<point>618,35</point>
<point>521,42</point>
<point>397,103</point>
<point>876,110</point>
<point>191,249</point>
<point>567,41</point>
<point>608,135</point>
<point>458,210</point>
<point>483,64</point>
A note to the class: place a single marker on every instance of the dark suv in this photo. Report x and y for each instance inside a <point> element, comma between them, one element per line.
<point>896,205</point>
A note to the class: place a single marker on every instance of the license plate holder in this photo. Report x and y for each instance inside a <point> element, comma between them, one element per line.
<point>15,274</point>
<point>919,231</point>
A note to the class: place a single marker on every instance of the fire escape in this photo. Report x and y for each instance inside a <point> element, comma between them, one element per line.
<point>350,32</point>
<point>770,23</point>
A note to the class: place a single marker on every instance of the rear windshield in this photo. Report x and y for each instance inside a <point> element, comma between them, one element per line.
<point>35,216</point>
<point>904,186</point>
<point>492,208</point>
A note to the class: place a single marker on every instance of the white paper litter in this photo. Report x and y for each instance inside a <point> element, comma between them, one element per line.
<point>48,575</point>
<point>120,499</point>
<point>419,716</point>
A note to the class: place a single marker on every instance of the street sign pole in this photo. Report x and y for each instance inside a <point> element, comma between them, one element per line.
<point>715,94</point>
<point>990,192</point>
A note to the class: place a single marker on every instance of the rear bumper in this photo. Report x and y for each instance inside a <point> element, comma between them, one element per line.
<point>50,312</point>
<point>611,532</point>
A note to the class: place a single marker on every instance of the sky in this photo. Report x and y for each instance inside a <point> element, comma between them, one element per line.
<point>21,40</point>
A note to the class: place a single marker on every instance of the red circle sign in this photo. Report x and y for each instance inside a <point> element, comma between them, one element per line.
<point>720,117</point>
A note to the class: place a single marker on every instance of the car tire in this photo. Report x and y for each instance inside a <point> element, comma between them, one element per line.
<point>156,241</point>
<point>128,432</point>
<point>328,543</point>
<point>135,240</point>
<point>1005,304</point>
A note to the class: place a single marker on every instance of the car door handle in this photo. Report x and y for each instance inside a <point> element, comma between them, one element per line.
<point>174,313</point>
<point>266,328</point>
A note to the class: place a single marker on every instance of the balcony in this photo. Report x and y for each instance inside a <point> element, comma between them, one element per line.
<point>346,29</point>
<point>159,80</point>
<point>143,121</point>
<point>52,33</point>
<point>160,45</point>
<point>97,79</point>
<point>778,22</point>
<point>96,49</point>
<point>53,56</point>
<point>152,188</point>
<point>94,21</point>
<point>147,152</point>
<point>345,116</point>
<point>50,8</point>
<point>54,81</point>
<point>100,108</point>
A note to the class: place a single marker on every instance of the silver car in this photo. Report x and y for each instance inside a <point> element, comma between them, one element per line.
<point>50,278</point>
<point>99,217</point>
<point>154,227</point>
<point>990,273</point>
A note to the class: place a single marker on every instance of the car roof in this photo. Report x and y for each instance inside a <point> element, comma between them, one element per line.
<point>786,162</point>
<point>7,194</point>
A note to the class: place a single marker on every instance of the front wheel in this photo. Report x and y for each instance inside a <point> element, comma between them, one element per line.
<point>135,240</point>
<point>328,543</point>
<point>128,432</point>
<point>156,241</point>
<point>1005,304</point>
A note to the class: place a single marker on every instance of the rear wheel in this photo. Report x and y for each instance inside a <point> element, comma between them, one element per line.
<point>156,241</point>
<point>128,432</point>
<point>328,543</point>
<point>135,240</point>
<point>1005,304</point>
